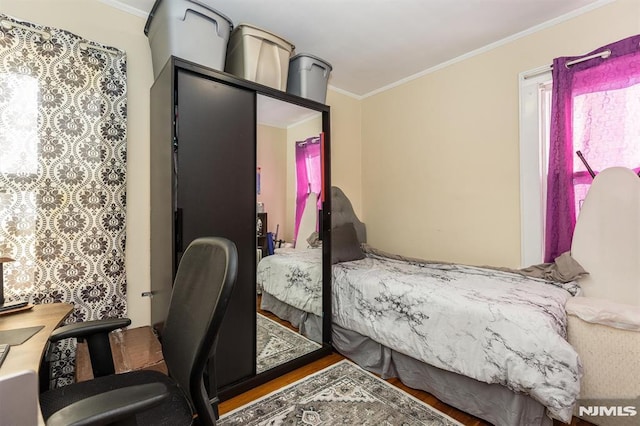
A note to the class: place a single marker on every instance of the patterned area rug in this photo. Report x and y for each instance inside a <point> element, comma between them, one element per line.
<point>277,344</point>
<point>343,394</point>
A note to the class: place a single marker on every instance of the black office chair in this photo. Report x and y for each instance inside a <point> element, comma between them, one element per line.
<point>202,287</point>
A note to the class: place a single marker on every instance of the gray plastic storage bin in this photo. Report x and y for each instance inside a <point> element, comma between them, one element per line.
<point>188,29</point>
<point>308,77</point>
<point>258,55</point>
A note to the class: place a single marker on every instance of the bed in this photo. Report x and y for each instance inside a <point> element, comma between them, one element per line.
<point>429,324</point>
<point>290,282</point>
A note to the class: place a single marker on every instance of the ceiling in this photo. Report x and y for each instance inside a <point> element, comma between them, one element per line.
<point>276,113</point>
<point>373,44</point>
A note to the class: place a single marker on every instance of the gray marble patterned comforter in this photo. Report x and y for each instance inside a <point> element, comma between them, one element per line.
<point>293,276</point>
<point>493,326</point>
<point>496,327</point>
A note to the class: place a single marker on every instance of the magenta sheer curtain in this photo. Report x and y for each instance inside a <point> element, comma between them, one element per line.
<point>308,175</point>
<point>595,109</point>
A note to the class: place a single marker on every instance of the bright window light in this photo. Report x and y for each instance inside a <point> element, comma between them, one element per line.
<point>18,124</point>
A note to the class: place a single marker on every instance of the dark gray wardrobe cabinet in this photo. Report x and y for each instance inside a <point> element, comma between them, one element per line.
<point>203,183</point>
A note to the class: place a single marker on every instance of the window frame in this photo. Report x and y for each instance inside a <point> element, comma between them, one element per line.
<point>533,164</point>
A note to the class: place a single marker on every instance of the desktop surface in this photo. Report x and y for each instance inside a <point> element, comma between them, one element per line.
<point>28,354</point>
<point>20,367</point>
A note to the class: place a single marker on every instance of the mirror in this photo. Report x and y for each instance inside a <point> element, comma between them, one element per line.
<point>289,274</point>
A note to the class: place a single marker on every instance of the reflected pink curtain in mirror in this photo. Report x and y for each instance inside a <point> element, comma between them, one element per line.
<point>308,175</point>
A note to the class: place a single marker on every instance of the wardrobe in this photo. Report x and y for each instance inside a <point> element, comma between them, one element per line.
<point>203,183</point>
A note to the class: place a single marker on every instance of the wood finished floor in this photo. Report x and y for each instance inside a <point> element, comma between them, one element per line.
<point>322,363</point>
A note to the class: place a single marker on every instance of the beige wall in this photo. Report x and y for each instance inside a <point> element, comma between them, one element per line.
<point>101,23</point>
<point>272,160</point>
<point>346,146</point>
<point>440,158</point>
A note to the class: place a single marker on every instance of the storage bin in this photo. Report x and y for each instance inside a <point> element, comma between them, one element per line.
<point>308,77</point>
<point>258,55</point>
<point>188,29</point>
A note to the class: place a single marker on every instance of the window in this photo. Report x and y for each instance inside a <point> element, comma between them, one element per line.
<point>606,132</point>
<point>63,118</point>
<point>19,142</point>
<point>535,111</point>
<point>595,102</point>
<point>308,174</point>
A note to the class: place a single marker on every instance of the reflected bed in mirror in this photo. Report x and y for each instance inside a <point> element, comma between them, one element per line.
<point>283,336</point>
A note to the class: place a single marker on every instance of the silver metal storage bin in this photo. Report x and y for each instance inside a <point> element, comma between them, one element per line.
<point>308,77</point>
<point>258,55</point>
<point>188,29</point>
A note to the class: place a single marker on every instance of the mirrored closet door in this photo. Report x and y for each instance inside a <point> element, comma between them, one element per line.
<point>289,248</point>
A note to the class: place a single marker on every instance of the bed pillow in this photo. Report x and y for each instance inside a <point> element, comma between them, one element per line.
<point>314,240</point>
<point>345,246</point>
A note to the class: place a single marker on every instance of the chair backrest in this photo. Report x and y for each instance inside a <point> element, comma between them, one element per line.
<point>201,291</point>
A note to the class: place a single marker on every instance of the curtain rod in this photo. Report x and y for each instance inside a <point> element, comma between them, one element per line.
<point>45,35</point>
<point>604,55</point>
<point>84,45</point>
<point>8,25</point>
<point>311,140</point>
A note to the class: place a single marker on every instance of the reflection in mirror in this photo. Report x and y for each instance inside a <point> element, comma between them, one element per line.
<point>289,272</point>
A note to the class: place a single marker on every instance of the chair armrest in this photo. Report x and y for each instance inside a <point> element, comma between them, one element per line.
<point>605,312</point>
<point>111,406</point>
<point>96,334</point>
<point>88,328</point>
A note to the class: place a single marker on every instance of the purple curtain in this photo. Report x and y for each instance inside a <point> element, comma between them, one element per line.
<point>594,109</point>
<point>308,175</point>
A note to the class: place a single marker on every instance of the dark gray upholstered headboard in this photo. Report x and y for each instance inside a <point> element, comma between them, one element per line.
<point>342,212</point>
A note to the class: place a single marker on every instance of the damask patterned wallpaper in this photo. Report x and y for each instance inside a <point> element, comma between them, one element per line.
<point>63,129</point>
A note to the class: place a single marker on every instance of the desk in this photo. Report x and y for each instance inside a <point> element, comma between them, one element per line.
<point>29,354</point>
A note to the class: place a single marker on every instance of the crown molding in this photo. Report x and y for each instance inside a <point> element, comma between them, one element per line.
<point>125,8</point>
<point>495,45</point>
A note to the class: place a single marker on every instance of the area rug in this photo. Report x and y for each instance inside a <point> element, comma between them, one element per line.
<point>342,394</point>
<point>276,344</point>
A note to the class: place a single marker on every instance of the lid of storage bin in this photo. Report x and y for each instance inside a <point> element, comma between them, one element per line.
<point>308,55</point>
<point>154,9</point>
<point>267,35</point>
